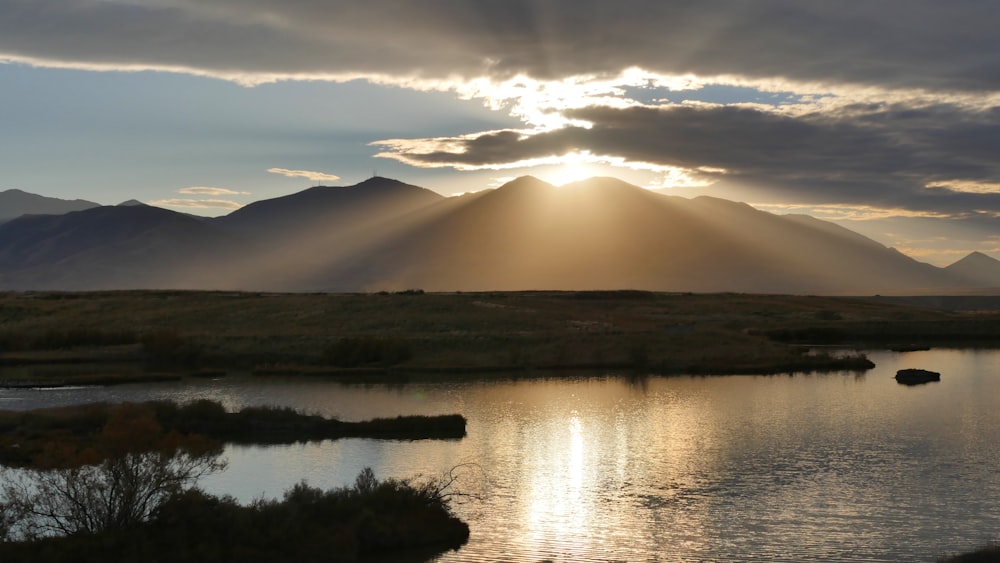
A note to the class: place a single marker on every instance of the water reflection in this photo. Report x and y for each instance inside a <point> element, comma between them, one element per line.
<point>820,468</point>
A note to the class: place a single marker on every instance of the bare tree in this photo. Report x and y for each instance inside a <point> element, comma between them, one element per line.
<point>136,469</point>
<point>118,493</point>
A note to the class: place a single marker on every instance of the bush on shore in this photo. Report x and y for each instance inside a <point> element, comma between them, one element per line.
<point>309,524</point>
<point>360,351</point>
<point>988,554</point>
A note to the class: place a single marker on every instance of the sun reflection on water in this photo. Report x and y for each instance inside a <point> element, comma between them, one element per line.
<point>819,468</point>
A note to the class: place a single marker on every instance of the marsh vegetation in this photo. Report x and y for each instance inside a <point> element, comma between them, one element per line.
<point>56,437</point>
<point>415,332</point>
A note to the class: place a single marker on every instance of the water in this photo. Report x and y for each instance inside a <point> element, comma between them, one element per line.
<point>838,467</point>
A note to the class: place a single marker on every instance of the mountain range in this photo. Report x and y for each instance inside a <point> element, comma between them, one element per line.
<point>383,234</point>
<point>14,203</point>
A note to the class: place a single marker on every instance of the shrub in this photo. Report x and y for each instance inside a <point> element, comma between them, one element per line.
<point>122,481</point>
<point>307,525</point>
<point>167,347</point>
<point>360,351</point>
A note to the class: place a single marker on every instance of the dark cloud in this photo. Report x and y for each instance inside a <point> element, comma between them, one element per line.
<point>879,141</point>
<point>885,155</point>
<point>891,43</point>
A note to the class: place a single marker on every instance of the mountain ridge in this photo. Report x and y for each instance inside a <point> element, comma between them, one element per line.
<point>108,247</point>
<point>15,203</point>
<point>978,268</point>
<point>384,234</point>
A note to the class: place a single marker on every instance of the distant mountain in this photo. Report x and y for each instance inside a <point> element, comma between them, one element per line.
<point>110,247</point>
<point>14,203</point>
<point>325,211</point>
<point>380,234</point>
<point>292,241</point>
<point>977,269</point>
<point>604,233</point>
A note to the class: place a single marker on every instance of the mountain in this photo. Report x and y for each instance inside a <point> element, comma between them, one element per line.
<point>977,269</point>
<point>383,234</point>
<point>110,247</point>
<point>14,203</point>
<point>603,233</point>
<point>292,241</point>
<point>326,211</point>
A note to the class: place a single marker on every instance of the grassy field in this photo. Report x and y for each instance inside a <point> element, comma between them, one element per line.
<point>414,332</point>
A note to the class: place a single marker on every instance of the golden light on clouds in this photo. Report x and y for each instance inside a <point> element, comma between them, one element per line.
<point>850,212</point>
<point>307,174</point>
<point>183,203</point>
<point>542,103</point>
<point>676,177</point>
<point>967,186</point>
<point>206,190</point>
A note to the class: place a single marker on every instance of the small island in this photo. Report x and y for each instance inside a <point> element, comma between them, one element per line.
<point>916,376</point>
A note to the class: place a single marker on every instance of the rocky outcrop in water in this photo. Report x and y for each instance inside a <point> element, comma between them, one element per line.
<point>916,376</point>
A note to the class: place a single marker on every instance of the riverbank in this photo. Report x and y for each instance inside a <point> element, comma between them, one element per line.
<point>413,333</point>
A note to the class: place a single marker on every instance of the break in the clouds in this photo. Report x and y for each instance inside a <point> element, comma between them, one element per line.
<point>307,174</point>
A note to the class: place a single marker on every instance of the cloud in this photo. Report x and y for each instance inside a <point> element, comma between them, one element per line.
<point>203,190</point>
<point>308,174</point>
<point>851,212</point>
<point>908,44</point>
<point>892,105</point>
<point>181,203</point>
<point>967,186</point>
<point>885,155</point>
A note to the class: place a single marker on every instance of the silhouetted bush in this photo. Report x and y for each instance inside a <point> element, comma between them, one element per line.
<point>307,525</point>
<point>613,294</point>
<point>58,339</point>
<point>828,315</point>
<point>11,340</point>
<point>988,554</point>
<point>167,347</point>
<point>358,351</point>
<point>410,292</point>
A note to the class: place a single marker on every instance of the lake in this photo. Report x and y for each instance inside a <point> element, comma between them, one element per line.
<point>832,467</point>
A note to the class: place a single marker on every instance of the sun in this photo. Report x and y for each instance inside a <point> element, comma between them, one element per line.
<point>573,168</point>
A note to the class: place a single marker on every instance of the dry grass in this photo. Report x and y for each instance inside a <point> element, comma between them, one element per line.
<point>718,333</point>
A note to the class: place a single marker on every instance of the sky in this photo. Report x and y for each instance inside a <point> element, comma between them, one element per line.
<point>881,116</point>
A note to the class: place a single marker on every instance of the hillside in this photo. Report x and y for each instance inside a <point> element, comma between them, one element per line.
<point>606,234</point>
<point>110,247</point>
<point>977,269</point>
<point>383,234</point>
